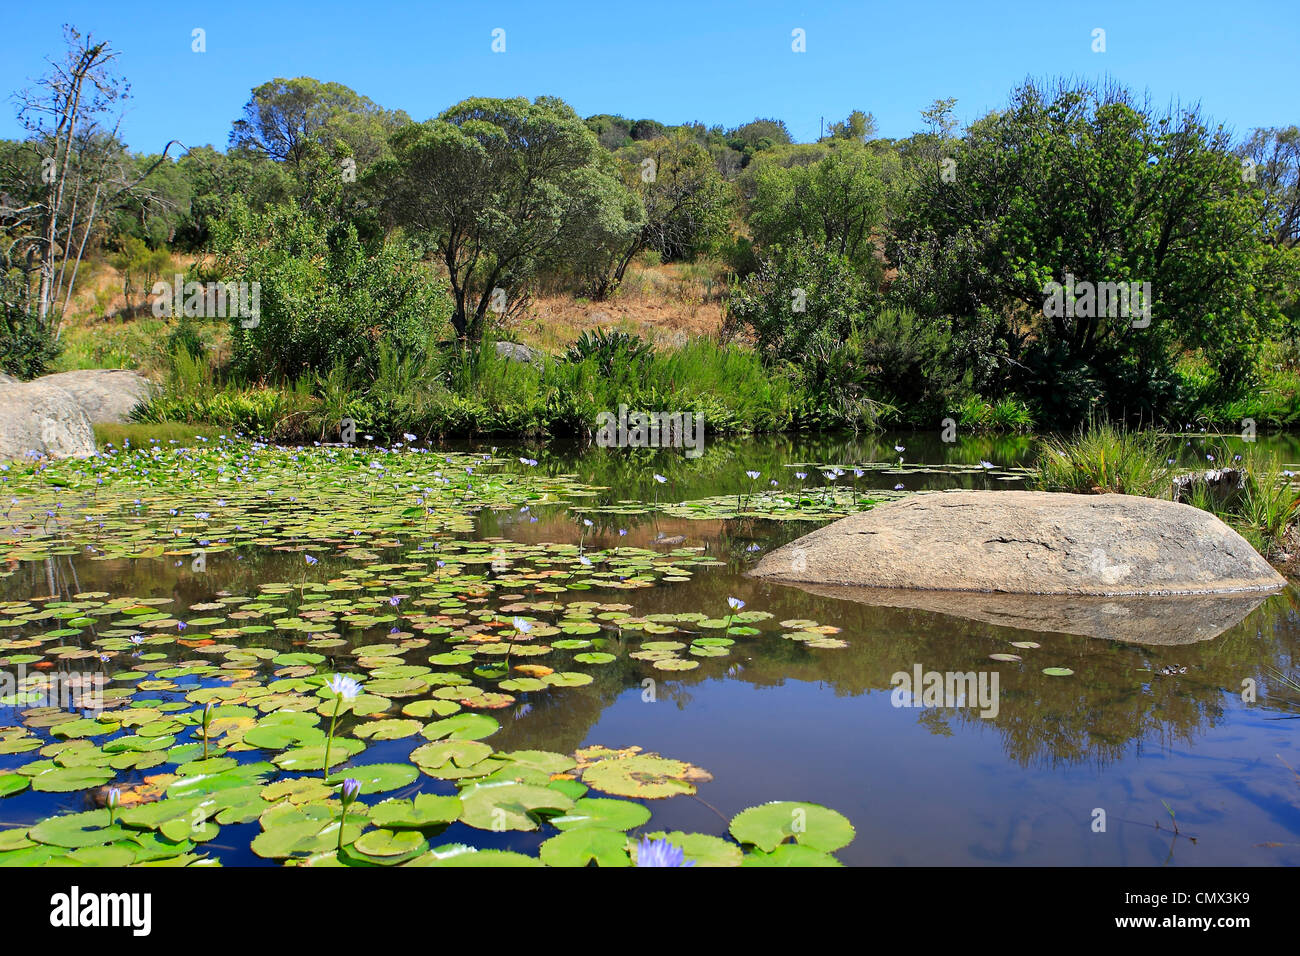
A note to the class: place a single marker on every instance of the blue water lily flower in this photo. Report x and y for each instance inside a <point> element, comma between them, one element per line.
<point>660,853</point>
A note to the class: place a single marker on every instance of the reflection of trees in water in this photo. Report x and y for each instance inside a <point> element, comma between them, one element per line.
<point>1115,702</point>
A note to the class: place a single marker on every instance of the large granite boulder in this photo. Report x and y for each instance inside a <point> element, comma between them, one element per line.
<point>43,418</point>
<point>1027,542</point>
<point>108,395</point>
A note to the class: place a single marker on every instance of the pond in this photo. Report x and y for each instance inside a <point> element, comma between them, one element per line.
<point>519,628</point>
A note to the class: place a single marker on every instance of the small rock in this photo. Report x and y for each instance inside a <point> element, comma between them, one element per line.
<point>515,352</point>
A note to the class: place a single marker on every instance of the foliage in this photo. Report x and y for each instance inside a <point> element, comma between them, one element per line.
<point>326,297</point>
<point>27,345</point>
<point>1106,190</point>
<point>499,188</point>
<point>609,347</point>
<point>1105,458</point>
<point>801,302</point>
<point>836,202</point>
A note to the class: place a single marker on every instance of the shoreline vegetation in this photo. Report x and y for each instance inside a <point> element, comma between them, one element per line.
<point>343,261</point>
<point>508,269</point>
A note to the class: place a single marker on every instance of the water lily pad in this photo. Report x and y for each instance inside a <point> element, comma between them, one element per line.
<point>451,759</point>
<point>509,806</point>
<point>645,776</point>
<point>700,849</point>
<point>378,777</point>
<point>462,727</point>
<point>392,729</point>
<point>770,825</point>
<point>91,828</point>
<point>584,846</point>
<point>425,810</point>
<point>603,812</point>
<point>790,854</point>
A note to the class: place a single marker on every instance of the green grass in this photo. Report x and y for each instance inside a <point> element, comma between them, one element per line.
<point>1105,459</point>
<point>140,433</point>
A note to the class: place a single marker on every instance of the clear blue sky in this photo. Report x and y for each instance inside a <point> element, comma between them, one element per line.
<point>671,61</point>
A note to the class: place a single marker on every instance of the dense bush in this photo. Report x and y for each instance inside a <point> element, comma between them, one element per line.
<point>801,303</point>
<point>326,298</point>
<point>27,347</point>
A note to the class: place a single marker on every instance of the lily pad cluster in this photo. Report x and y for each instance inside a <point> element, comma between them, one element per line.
<point>181,719</point>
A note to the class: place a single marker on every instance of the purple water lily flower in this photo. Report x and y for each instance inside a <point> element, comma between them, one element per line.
<point>660,853</point>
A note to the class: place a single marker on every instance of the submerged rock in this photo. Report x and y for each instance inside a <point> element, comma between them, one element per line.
<point>45,419</point>
<point>107,395</point>
<point>1027,542</point>
<point>1164,619</point>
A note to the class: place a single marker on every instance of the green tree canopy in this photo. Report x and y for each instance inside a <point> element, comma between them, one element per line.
<point>498,187</point>
<point>838,201</point>
<point>1091,184</point>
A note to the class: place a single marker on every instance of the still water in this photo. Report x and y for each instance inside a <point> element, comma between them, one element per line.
<point>1096,768</point>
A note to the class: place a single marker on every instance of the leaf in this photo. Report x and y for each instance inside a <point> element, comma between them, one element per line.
<point>462,727</point>
<point>584,846</point>
<point>91,828</point>
<point>451,759</point>
<point>791,854</point>
<point>509,806</point>
<point>426,810</point>
<point>771,824</point>
<point>603,812</point>
<point>646,776</point>
<point>700,848</point>
<point>377,777</point>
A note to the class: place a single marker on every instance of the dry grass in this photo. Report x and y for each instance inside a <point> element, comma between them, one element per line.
<point>665,304</point>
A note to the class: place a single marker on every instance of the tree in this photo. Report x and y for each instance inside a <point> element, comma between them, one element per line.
<point>857,128</point>
<point>139,266</point>
<point>496,186</point>
<point>324,134</point>
<point>1090,185</point>
<point>837,201</point>
<point>1271,161</point>
<point>756,136</point>
<point>83,170</point>
<point>283,119</point>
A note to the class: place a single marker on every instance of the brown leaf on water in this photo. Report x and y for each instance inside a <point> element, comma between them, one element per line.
<point>149,790</point>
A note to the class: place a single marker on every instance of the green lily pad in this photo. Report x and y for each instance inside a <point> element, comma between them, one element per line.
<point>425,810</point>
<point>603,812</point>
<point>509,806</point>
<point>584,846</point>
<point>770,825</point>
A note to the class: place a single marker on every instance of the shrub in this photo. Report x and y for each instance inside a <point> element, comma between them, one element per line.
<point>607,347</point>
<point>801,302</point>
<point>27,346</point>
<point>326,297</point>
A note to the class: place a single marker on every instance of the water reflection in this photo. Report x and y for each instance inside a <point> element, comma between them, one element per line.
<point>1162,620</point>
<point>1168,700</point>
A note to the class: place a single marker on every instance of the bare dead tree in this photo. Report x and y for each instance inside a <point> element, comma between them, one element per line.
<point>84,170</point>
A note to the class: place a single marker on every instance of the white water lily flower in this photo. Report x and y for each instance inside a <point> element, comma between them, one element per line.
<point>346,687</point>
